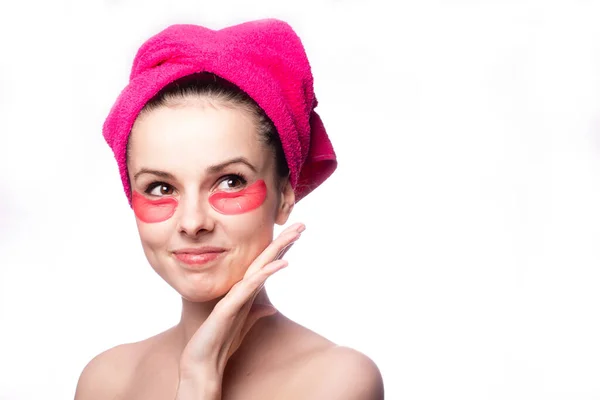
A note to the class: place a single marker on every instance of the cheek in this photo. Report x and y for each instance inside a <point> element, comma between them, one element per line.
<point>241,202</point>
<point>152,211</point>
<point>250,233</point>
<point>154,238</point>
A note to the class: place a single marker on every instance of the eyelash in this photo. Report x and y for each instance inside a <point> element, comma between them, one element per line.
<point>239,176</point>
<point>154,185</point>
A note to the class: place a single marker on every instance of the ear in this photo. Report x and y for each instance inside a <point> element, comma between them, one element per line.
<point>286,204</point>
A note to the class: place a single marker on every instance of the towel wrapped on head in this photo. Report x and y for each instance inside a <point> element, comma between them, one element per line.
<point>264,58</point>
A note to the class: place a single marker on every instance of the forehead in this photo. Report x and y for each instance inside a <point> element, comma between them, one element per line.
<point>194,136</point>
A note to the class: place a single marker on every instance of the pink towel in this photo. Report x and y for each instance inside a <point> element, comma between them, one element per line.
<point>264,58</point>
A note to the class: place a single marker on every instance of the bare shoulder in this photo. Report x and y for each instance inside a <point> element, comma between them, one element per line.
<point>108,374</point>
<point>342,373</point>
<point>324,370</point>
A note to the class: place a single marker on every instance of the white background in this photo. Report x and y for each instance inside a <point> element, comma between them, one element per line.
<point>456,245</point>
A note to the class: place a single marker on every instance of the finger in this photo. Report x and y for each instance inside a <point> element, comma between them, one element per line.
<point>257,312</point>
<point>231,319</point>
<point>235,305</point>
<point>231,337</point>
<point>251,285</point>
<point>244,320</point>
<point>272,251</point>
<point>243,291</point>
<point>297,227</point>
<point>283,251</point>
<point>221,330</point>
<point>275,248</point>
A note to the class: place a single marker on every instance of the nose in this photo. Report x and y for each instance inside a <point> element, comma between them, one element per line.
<point>194,217</point>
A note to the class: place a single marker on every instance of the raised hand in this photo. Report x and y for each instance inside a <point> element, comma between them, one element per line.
<point>204,358</point>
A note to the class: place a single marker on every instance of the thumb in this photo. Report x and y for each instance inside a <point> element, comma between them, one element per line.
<point>261,310</point>
<point>257,311</point>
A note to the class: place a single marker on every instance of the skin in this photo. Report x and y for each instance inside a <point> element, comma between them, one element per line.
<point>230,343</point>
<point>153,210</point>
<point>241,201</point>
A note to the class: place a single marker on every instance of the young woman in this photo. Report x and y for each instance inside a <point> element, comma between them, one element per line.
<point>216,139</point>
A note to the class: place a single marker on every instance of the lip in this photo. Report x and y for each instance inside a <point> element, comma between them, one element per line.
<point>196,257</point>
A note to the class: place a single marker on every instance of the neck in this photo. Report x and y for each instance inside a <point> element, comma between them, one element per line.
<point>194,314</point>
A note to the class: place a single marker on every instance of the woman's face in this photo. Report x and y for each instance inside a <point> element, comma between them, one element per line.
<point>205,194</point>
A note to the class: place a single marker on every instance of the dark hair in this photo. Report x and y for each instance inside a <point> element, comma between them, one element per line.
<point>211,86</point>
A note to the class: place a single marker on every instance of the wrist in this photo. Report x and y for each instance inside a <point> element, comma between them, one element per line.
<point>199,383</point>
<point>198,391</point>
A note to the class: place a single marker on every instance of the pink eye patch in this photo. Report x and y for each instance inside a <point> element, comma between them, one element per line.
<point>150,211</point>
<point>239,202</point>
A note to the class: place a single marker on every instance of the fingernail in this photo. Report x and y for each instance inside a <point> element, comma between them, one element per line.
<point>301,228</point>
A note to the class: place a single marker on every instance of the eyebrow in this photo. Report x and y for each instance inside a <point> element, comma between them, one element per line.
<point>158,173</point>
<point>213,169</point>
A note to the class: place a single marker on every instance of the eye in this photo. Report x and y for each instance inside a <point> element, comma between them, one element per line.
<point>159,189</point>
<point>232,182</point>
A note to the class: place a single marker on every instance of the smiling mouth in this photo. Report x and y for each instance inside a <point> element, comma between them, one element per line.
<point>198,258</point>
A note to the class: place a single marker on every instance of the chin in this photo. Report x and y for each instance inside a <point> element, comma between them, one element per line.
<point>203,285</point>
<point>199,297</point>
<point>202,288</point>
